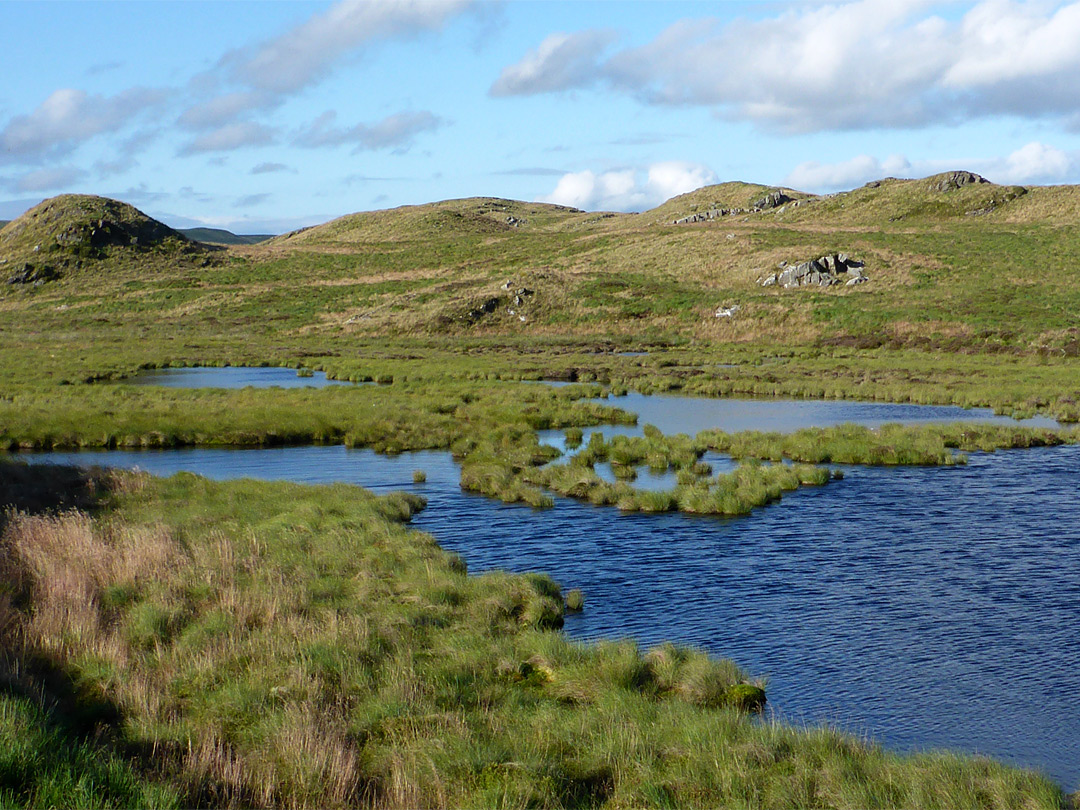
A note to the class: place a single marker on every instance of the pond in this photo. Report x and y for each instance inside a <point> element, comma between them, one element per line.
<point>231,377</point>
<point>924,607</point>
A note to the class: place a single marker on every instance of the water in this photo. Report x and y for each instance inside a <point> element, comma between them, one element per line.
<point>231,377</point>
<point>675,414</point>
<point>925,607</point>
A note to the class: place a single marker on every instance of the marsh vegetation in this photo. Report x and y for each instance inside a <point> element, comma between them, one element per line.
<point>268,644</point>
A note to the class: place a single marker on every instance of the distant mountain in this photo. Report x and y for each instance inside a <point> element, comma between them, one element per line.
<point>219,236</point>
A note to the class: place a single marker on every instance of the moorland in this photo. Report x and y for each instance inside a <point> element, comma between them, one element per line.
<point>180,642</point>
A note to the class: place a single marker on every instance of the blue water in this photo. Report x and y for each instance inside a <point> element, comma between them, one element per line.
<point>231,377</point>
<point>925,607</point>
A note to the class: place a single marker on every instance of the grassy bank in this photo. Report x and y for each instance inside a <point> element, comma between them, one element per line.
<point>180,642</point>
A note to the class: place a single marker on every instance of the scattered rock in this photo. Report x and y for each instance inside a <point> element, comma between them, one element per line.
<point>728,311</point>
<point>835,268</point>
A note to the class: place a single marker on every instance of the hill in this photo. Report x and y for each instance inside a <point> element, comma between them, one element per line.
<point>447,220</point>
<point>220,236</point>
<point>948,195</point>
<point>76,230</point>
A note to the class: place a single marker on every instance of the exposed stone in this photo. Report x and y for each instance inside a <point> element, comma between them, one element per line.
<point>772,200</point>
<point>834,268</point>
<point>955,180</point>
<point>728,311</point>
<point>486,308</point>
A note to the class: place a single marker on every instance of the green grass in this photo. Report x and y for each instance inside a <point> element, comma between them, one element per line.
<point>281,645</point>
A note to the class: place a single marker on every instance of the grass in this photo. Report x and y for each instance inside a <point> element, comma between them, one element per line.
<point>289,646</point>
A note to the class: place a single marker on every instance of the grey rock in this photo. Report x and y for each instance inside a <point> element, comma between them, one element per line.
<point>728,311</point>
<point>955,180</point>
<point>851,282</point>
<point>772,200</point>
<point>826,271</point>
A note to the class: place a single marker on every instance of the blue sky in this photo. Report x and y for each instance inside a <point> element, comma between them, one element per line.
<point>264,116</point>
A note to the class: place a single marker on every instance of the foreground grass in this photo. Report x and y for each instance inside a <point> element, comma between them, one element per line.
<point>278,645</point>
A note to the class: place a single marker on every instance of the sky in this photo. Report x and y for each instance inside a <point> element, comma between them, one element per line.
<point>260,117</point>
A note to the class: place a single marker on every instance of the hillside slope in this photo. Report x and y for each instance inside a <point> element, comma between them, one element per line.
<point>74,231</point>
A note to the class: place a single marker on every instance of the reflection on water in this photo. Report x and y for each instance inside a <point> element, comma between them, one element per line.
<point>231,377</point>
<point>927,607</point>
<point>674,414</point>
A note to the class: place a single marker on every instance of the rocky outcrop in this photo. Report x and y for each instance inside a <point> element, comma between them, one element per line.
<point>834,268</point>
<point>33,274</point>
<point>772,200</point>
<point>955,180</point>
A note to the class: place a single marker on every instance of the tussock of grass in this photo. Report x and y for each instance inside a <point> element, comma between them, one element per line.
<point>929,445</point>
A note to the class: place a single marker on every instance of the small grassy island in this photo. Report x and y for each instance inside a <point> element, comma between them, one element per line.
<point>181,642</point>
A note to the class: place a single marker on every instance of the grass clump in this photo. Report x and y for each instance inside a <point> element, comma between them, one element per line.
<point>575,600</point>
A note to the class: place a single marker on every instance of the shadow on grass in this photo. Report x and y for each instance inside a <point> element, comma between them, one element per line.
<point>61,737</point>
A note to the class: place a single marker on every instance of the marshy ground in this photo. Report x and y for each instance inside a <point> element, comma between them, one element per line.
<point>265,644</point>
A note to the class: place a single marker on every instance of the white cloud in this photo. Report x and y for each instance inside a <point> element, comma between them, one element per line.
<point>814,176</point>
<point>229,137</point>
<point>629,189</point>
<point>308,52</point>
<point>395,131</point>
<point>221,110</point>
<point>859,65</point>
<point>68,117</point>
<point>1036,163</point>
<point>1033,163</point>
<point>671,178</point>
<point>60,177</point>
<point>560,62</point>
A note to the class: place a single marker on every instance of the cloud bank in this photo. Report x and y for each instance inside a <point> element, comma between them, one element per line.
<point>852,66</point>
<point>629,189</point>
<point>1034,163</point>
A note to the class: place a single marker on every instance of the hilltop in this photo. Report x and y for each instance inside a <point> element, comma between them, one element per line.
<point>446,220</point>
<point>73,231</point>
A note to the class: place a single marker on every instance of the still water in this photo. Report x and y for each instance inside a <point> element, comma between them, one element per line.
<point>924,607</point>
<point>231,377</point>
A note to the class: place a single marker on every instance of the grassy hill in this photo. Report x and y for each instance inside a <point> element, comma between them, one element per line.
<point>219,236</point>
<point>76,231</point>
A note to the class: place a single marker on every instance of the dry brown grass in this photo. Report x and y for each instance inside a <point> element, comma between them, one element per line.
<point>67,561</point>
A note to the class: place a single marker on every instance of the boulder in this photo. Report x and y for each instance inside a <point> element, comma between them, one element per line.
<point>774,199</point>
<point>834,268</point>
<point>954,180</point>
